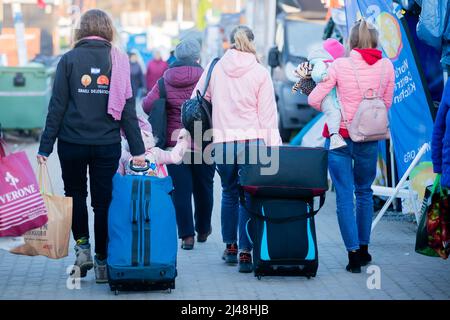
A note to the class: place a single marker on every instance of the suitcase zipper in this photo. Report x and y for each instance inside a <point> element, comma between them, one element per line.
<point>141,222</point>
<point>134,223</point>
<point>147,230</point>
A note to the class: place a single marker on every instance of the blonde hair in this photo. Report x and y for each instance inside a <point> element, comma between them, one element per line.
<point>242,39</point>
<point>363,35</point>
<point>98,23</point>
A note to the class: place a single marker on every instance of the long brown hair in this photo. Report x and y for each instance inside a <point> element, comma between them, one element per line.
<point>363,35</point>
<point>95,22</point>
<point>242,39</point>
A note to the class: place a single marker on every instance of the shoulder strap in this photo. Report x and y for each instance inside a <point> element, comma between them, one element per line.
<point>162,169</point>
<point>2,148</point>
<point>162,89</point>
<point>311,212</point>
<point>355,72</point>
<point>383,73</point>
<point>208,76</point>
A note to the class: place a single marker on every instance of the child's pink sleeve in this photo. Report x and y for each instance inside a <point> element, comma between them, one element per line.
<point>122,162</point>
<point>162,156</point>
<point>174,156</point>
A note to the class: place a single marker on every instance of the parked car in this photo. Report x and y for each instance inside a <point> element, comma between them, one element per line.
<point>296,35</point>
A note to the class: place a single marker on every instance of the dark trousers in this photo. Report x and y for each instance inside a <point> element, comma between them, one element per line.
<point>102,162</point>
<point>192,180</point>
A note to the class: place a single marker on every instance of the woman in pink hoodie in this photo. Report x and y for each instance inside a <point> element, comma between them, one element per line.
<point>353,168</point>
<point>244,112</point>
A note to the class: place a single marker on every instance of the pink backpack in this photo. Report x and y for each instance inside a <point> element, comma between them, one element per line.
<point>371,122</point>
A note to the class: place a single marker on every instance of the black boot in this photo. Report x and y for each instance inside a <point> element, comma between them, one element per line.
<point>354,262</point>
<point>364,254</point>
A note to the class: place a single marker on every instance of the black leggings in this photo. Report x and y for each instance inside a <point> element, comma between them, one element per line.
<point>102,162</point>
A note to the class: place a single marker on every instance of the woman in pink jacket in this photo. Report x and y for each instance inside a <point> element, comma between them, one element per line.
<point>353,168</point>
<point>244,112</point>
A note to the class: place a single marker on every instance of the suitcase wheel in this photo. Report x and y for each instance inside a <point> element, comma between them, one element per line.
<point>116,292</point>
<point>259,277</point>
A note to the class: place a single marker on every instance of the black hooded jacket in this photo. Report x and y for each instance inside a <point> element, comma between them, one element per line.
<point>77,111</point>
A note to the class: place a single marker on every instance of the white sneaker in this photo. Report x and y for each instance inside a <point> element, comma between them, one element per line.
<point>336,142</point>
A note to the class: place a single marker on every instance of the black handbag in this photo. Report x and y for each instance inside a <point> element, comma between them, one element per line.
<point>198,109</point>
<point>158,116</point>
<point>299,172</point>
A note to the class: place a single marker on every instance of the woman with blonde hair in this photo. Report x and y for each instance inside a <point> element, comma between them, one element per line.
<point>244,112</point>
<point>353,167</point>
<point>91,101</point>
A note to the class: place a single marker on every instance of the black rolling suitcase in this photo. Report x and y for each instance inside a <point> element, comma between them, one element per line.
<point>282,210</point>
<point>284,236</point>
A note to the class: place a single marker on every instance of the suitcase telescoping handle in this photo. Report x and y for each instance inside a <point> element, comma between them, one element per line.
<point>310,214</point>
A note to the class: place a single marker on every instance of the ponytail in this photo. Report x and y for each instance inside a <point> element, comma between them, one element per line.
<point>242,39</point>
<point>363,35</point>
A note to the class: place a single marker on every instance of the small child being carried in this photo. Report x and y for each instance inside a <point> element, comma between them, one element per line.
<point>320,59</point>
<point>155,157</point>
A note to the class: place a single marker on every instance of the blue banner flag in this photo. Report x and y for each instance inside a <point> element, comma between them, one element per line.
<point>411,122</point>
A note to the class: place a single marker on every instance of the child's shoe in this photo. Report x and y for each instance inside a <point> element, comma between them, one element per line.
<point>336,141</point>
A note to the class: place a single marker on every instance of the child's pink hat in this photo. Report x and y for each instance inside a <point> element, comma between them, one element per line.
<point>334,48</point>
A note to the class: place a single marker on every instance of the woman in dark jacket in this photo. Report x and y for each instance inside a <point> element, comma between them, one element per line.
<point>86,112</point>
<point>189,179</point>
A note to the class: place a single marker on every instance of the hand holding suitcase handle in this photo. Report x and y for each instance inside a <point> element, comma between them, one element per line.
<point>140,169</point>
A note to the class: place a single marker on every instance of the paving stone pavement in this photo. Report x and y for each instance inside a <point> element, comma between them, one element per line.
<point>203,275</point>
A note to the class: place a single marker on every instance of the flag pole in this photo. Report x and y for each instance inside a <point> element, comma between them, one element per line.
<point>20,33</point>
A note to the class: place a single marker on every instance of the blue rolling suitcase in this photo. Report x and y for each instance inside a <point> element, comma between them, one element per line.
<point>142,246</point>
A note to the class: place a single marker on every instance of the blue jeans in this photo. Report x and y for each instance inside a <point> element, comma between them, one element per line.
<point>353,170</point>
<point>234,216</point>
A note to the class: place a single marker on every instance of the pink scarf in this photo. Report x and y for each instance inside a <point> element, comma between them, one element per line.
<point>120,85</point>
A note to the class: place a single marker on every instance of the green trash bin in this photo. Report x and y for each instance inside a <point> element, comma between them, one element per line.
<point>24,96</point>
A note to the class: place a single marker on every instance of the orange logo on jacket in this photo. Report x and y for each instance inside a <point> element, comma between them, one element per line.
<point>103,81</point>
<point>86,80</point>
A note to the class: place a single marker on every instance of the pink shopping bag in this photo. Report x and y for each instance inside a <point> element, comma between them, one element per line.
<point>22,207</point>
